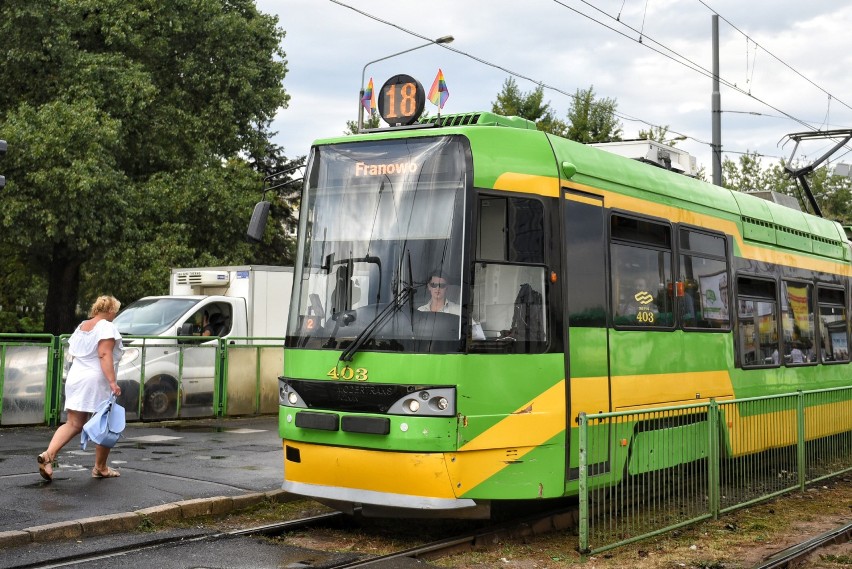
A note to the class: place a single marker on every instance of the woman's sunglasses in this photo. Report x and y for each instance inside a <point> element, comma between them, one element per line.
<point>438,285</point>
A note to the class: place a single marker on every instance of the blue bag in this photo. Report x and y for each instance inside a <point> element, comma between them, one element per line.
<point>105,426</point>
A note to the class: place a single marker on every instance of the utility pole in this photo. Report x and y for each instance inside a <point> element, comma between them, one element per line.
<point>716,108</point>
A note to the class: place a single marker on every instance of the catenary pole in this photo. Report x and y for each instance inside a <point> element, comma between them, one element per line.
<point>716,110</point>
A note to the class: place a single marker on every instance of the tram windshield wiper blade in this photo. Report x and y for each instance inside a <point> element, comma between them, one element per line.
<point>396,303</point>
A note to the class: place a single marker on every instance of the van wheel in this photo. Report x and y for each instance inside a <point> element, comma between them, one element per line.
<point>160,402</point>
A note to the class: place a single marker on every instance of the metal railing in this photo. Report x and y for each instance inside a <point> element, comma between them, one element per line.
<point>162,377</point>
<point>649,471</point>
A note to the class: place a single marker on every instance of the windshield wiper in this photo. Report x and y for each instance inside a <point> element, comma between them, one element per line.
<point>403,295</point>
<point>396,303</point>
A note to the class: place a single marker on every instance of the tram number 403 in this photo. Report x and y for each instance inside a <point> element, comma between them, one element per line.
<point>347,373</point>
<point>645,316</point>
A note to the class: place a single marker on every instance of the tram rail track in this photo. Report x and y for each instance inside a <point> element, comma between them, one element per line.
<point>263,530</point>
<point>483,537</point>
<point>465,541</point>
<point>328,545</point>
<point>790,557</point>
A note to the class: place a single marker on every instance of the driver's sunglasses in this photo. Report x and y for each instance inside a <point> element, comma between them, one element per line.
<point>438,285</point>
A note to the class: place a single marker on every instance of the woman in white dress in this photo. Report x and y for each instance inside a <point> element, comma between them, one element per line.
<point>96,349</point>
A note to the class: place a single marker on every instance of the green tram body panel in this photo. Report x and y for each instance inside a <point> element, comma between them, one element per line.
<point>503,385</point>
<point>608,369</point>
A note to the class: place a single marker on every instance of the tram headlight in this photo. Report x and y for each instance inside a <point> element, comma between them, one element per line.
<point>287,396</point>
<point>431,402</point>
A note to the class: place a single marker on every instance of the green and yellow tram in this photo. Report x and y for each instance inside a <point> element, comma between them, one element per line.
<point>568,280</point>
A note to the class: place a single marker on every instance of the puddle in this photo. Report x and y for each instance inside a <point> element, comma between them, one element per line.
<point>144,446</point>
<point>196,429</point>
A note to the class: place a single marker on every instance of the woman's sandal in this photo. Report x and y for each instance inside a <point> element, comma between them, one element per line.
<point>45,466</point>
<point>110,473</point>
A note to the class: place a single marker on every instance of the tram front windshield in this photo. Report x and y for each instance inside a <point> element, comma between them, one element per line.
<point>380,247</point>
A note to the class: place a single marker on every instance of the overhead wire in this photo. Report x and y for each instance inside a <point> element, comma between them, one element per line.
<point>778,59</point>
<point>674,56</point>
<point>662,50</point>
<point>513,73</point>
<point>683,60</point>
<point>825,121</point>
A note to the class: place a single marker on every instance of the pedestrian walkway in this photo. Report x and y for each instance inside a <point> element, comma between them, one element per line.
<point>168,470</point>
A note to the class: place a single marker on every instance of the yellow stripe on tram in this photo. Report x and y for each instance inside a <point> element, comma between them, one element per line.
<point>416,474</point>
<point>550,186</point>
<point>680,215</point>
<point>529,426</point>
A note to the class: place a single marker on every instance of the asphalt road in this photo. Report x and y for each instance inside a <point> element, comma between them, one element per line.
<point>159,463</point>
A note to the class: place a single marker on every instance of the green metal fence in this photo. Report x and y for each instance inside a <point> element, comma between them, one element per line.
<point>27,364</point>
<point>650,471</point>
<point>161,377</point>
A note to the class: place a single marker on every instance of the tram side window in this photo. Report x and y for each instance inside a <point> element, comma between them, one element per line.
<point>834,341</point>
<point>758,322</point>
<point>703,285</point>
<point>510,229</point>
<point>797,322</point>
<point>641,273</point>
<point>509,295</point>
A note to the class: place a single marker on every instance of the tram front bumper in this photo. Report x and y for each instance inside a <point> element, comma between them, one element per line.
<point>379,481</point>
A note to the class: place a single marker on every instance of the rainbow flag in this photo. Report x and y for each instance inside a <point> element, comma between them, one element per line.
<point>439,93</point>
<point>367,98</point>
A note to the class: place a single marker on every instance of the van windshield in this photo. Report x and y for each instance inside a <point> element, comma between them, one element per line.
<point>152,316</point>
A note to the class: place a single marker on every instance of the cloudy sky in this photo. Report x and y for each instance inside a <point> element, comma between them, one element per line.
<point>784,64</point>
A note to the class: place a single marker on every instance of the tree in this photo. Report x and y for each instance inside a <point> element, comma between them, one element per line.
<point>745,175</point>
<point>659,134</point>
<point>531,106</point>
<point>832,193</point>
<point>139,134</point>
<point>592,120</point>
<point>371,120</point>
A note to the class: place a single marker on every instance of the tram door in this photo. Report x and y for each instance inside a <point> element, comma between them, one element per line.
<point>587,353</point>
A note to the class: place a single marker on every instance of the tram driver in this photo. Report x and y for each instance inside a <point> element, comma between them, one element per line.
<point>438,301</point>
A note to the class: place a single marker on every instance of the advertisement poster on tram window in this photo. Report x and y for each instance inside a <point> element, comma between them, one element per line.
<point>797,300</point>
<point>838,344</point>
<point>714,296</point>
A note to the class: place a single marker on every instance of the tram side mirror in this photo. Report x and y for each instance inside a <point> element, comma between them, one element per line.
<point>257,225</point>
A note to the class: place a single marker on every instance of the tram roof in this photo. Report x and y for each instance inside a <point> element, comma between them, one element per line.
<point>761,220</point>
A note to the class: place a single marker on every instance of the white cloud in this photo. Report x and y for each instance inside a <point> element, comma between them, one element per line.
<point>327,46</point>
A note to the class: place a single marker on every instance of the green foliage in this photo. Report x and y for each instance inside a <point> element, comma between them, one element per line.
<point>531,106</point>
<point>592,120</point>
<point>370,121</point>
<point>138,139</point>
<point>588,119</point>
<point>659,134</point>
<point>748,175</point>
<point>832,193</point>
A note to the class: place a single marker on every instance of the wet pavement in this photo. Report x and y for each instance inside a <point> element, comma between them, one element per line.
<point>207,465</point>
<point>168,471</point>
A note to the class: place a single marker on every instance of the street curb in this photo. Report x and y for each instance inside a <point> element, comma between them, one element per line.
<point>130,521</point>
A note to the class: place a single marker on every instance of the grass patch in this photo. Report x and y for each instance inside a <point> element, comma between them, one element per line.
<point>837,559</point>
